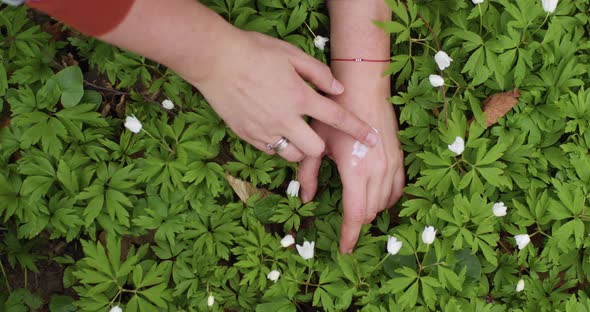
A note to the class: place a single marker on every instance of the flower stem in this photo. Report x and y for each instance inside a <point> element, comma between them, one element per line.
<point>383,260</point>
<point>424,44</point>
<point>308,278</point>
<point>311,31</point>
<point>538,28</point>
<point>480,19</point>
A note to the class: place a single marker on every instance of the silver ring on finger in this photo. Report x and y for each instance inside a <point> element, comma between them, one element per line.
<point>279,145</point>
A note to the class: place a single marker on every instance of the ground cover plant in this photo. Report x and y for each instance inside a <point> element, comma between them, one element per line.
<point>120,186</point>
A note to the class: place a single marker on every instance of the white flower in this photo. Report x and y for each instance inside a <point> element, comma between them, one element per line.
<point>306,251</point>
<point>442,60</point>
<point>273,275</point>
<point>522,240</point>
<point>287,241</point>
<point>116,309</point>
<point>293,188</point>
<point>520,285</point>
<point>477,1</point>
<point>393,245</point>
<point>428,235</point>
<point>320,42</point>
<point>168,104</point>
<point>436,81</point>
<point>549,5</point>
<point>499,209</point>
<point>210,300</point>
<point>133,124</point>
<point>458,146</point>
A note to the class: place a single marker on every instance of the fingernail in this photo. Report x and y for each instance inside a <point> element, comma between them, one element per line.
<point>304,198</point>
<point>337,86</point>
<point>372,138</point>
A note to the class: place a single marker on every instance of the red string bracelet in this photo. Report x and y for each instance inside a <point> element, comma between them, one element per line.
<point>360,60</point>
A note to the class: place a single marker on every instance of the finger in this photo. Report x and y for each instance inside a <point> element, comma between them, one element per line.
<point>261,146</point>
<point>398,184</point>
<point>308,177</point>
<point>354,203</point>
<point>292,153</point>
<point>374,199</point>
<point>307,140</point>
<point>316,72</point>
<point>326,110</point>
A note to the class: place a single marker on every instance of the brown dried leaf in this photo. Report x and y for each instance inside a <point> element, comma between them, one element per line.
<point>244,189</point>
<point>128,240</point>
<point>497,105</point>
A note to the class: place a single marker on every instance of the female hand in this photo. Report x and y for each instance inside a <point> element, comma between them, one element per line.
<point>257,85</point>
<point>372,179</point>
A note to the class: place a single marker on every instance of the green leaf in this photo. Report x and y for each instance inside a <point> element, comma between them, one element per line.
<point>71,83</point>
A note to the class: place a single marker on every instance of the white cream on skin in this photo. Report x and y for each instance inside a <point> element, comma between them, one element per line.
<point>359,152</point>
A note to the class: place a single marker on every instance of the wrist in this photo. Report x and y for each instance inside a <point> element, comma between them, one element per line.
<point>363,77</point>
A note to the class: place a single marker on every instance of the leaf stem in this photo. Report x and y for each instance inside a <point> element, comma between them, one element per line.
<point>419,41</point>
<point>159,141</point>
<point>5,278</point>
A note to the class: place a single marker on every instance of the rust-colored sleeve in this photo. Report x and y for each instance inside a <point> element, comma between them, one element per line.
<point>92,17</point>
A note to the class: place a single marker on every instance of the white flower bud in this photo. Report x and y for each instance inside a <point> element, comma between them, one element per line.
<point>458,146</point>
<point>168,104</point>
<point>520,285</point>
<point>133,124</point>
<point>428,235</point>
<point>116,309</point>
<point>499,209</point>
<point>442,59</point>
<point>210,300</point>
<point>522,240</point>
<point>273,275</point>
<point>549,5</point>
<point>287,241</point>
<point>320,42</point>
<point>436,81</point>
<point>306,251</point>
<point>477,1</point>
<point>393,245</point>
<point>293,188</point>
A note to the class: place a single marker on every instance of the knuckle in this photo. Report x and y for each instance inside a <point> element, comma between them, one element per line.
<point>325,71</point>
<point>338,121</point>
<point>291,157</point>
<point>357,216</point>
<point>318,149</point>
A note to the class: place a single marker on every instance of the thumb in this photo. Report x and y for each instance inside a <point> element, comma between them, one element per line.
<point>317,73</point>
<point>308,177</point>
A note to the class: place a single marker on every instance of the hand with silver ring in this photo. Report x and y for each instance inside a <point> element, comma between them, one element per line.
<point>259,87</point>
<point>279,145</point>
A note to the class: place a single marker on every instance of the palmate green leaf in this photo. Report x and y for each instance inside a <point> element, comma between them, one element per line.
<point>396,285</point>
<point>41,128</point>
<point>108,194</point>
<point>211,173</point>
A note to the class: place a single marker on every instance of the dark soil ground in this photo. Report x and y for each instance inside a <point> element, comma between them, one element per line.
<point>49,280</point>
